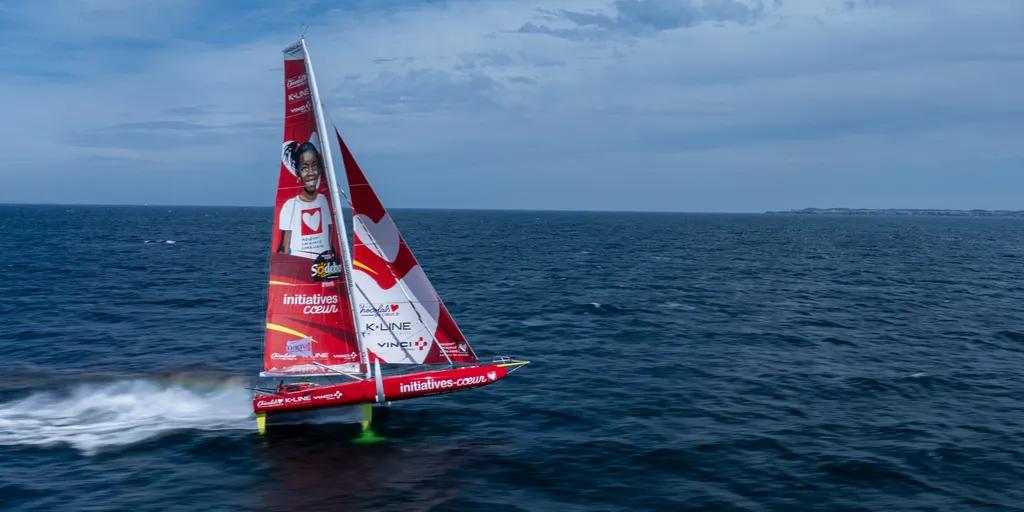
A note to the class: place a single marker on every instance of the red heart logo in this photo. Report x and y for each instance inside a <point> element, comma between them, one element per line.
<point>394,307</point>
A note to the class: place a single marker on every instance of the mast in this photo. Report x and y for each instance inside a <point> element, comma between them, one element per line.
<point>339,219</point>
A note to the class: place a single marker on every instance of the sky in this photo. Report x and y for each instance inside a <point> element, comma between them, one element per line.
<point>645,105</point>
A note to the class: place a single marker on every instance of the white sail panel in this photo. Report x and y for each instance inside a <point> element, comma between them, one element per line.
<point>400,316</point>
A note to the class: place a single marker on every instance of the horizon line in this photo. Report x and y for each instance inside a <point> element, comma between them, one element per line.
<point>723,212</point>
<point>153,205</point>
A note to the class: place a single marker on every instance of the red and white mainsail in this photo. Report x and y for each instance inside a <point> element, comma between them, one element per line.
<point>310,321</point>
<point>401,317</point>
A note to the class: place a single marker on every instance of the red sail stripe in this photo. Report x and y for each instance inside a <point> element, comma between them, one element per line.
<point>386,274</point>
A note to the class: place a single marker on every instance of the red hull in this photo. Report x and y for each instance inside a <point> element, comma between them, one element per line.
<point>397,387</point>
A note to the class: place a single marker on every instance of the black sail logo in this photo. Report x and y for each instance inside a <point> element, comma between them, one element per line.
<point>388,326</point>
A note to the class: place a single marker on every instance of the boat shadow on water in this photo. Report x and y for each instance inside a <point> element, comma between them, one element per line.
<point>320,466</point>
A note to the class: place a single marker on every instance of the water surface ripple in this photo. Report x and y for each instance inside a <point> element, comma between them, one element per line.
<point>681,362</point>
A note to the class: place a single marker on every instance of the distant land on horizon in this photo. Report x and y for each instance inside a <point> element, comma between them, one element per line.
<point>902,211</point>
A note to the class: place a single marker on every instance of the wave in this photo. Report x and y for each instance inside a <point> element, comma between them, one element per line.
<point>91,417</point>
<point>597,308</point>
<point>679,305</point>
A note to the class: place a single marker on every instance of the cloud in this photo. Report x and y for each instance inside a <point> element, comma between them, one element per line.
<point>167,134</point>
<point>637,17</point>
<point>415,91</point>
<point>688,105</point>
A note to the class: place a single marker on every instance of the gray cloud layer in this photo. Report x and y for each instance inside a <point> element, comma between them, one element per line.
<point>720,105</point>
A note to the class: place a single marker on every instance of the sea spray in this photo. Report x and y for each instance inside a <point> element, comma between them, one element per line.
<point>94,416</point>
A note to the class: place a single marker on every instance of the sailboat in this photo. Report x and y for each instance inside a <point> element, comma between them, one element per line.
<point>348,325</point>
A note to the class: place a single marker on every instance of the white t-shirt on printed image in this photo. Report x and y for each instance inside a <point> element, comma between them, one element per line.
<point>309,223</point>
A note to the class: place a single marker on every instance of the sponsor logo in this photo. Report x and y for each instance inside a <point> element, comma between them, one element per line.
<point>329,396</point>
<point>298,81</point>
<point>441,384</point>
<point>463,347</point>
<point>301,347</point>
<point>314,304</point>
<point>381,310</point>
<point>394,344</point>
<point>298,95</point>
<point>301,109</point>
<point>325,267</point>
<point>388,326</point>
<point>295,349</point>
<point>301,298</point>
<point>421,343</point>
<point>492,375</point>
<point>276,402</point>
<point>319,310</point>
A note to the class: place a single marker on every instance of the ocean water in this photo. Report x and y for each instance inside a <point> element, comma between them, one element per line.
<point>680,362</point>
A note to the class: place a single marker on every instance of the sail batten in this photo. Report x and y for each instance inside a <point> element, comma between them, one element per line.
<point>400,316</point>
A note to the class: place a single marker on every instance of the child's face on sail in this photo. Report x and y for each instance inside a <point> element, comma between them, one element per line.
<point>309,170</point>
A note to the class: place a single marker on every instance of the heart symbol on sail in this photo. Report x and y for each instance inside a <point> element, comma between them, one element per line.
<point>312,221</point>
<point>380,237</point>
<point>394,307</point>
<point>422,316</point>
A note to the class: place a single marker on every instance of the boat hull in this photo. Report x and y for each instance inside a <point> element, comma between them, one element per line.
<point>396,387</point>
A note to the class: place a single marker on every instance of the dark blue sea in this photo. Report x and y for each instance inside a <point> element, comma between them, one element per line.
<point>680,362</point>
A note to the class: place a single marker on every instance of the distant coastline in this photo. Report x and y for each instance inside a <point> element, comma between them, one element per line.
<point>902,211</point>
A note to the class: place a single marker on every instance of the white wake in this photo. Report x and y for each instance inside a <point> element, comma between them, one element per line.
<point>91,417</point>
